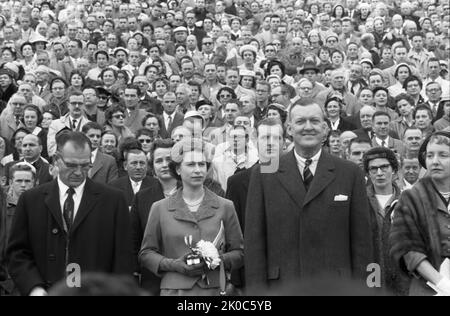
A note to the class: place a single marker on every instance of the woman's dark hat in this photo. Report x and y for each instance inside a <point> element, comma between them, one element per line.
<point>309,66</point>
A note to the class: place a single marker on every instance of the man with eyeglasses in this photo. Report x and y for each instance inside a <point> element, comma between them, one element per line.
<point>192,29</point>
<point>74,120</point>
<point>262,100</point>
<point>67,215</point>
<point>207,49</point>
<point>91,111</point>
<point>11,117</point>
<point>381,166</point>
<point>136,180</point>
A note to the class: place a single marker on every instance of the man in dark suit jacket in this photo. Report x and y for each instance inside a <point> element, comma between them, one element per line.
<point>193,29</point>
<point>32,149</point>
<point>69,223</point>
<point>238,184</point>
<point>140,210</point>
<point>104,167</point>
<point>170,118</point>
<point>309,219</point>
<point>136,179</point>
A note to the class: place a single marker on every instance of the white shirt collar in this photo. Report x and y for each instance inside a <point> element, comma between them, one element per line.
<point>301,162</point>
<point>334,126</point>
<point>380,141</point>
<point>63,188</point>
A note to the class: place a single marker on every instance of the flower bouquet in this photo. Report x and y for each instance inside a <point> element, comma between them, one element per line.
<point>206,251</point>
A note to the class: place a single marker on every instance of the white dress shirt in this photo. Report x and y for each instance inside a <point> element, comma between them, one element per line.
<point>136,185</point>
<point>301,162</point>
<point>335,125</point>
<point>380,142</point>
<point>76,197</point>
<point>94,155</point>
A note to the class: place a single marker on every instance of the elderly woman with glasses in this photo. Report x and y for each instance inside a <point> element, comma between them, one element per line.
<point>115,122</point>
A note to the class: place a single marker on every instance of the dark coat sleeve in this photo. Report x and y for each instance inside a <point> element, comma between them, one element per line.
<point>255,235</point>
<point>360,228</point>
<point>136,230</point>
<point>233,194</point>
<point>2,237</point>
<point>123,255</point>
<point>22,266</point>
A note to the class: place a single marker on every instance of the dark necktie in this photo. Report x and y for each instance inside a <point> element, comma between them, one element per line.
<point>383,143</point>
<point>307,174</point>
<point>17,121</point>
<point>74,125</point>
<point>69,207</point>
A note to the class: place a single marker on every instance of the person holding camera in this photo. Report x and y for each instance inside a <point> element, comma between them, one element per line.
<point>178,223</point>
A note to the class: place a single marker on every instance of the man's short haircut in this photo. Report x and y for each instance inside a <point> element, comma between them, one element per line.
<point>423,107</point>
<point>132,86</point>
<point>78,139</point>
<point>129,144</point>
<point>91,125</point>
<point>358,140</point>
<point>380,113</point>
<point>22,166</point>
<point>270,121</point>
<point>411,79</point>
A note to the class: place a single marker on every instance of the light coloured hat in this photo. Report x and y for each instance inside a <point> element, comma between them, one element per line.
<point>250,48</point>
<point>196,114</point>
<point>180,29</point>
<point>42,68</point>
<point>248,73</point>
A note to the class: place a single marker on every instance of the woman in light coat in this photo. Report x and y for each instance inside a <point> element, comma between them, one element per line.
<point>192,211</point>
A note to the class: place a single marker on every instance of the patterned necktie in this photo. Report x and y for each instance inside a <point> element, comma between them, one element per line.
<point>74,125</point>
<point>307,174</point>
<point>383,143</point>
<point>17,121</point>
<point>169,123</point>
<point>69,207</point>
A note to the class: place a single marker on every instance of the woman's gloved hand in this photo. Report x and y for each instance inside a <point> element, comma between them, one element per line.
<point>179,265</point>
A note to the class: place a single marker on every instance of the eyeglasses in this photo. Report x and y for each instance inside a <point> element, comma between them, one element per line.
<point>146,140</point>
<point>76,103</point>
<point>207,43</point>
<point>383,168</point>
<point>71,165</point>
<point>118,116</point>
<point>18,104</point>
<point>103,97</point>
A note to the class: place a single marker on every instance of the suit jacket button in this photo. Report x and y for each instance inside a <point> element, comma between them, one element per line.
<point>52,257</point>
<point>55,231</point>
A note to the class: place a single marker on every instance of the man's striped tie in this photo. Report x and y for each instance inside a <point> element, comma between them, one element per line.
<point>307,174</point>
